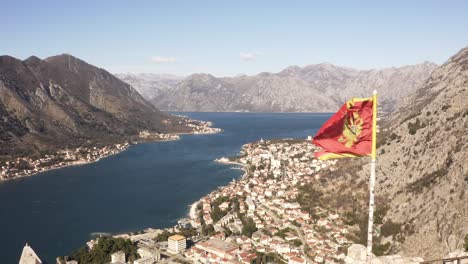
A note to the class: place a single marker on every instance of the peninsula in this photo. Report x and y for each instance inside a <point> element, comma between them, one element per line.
<point>27,165</point>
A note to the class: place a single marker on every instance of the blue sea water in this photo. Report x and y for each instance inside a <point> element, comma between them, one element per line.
<point>148,185</point>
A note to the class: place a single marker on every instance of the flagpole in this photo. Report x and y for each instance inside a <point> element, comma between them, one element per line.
<point>370,226</point>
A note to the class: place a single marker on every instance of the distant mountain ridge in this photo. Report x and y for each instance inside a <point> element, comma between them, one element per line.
<point>313,88</point>
<point>63,101</point>
<point>150,84</point>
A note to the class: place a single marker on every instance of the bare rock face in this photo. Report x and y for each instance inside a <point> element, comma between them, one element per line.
<point>357,255</point>
<point>63,101</point>
<point>457,254</point>
<point>422,163</point>
<point>314,88</point>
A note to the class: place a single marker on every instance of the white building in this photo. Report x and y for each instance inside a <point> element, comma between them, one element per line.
<point>118,257</point>
<point>176,244</point>
<point>147,260</point>
<point>250,204</point>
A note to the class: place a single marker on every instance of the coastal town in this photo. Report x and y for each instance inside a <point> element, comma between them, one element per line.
<point>260,212</point>
<point>254,219</point>
<point>27,166</point>
<point>259,216</point>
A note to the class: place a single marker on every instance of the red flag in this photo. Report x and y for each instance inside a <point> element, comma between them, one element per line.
<point>348,133</point>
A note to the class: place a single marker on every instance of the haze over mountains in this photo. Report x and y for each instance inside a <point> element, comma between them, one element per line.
<point>150,84</point>
<point>314,88</point>
<point>63,101</point>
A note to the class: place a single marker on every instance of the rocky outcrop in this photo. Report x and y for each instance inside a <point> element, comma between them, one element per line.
<point>357,255</point>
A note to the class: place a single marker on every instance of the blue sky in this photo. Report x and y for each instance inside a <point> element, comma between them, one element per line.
<point>233,37</point>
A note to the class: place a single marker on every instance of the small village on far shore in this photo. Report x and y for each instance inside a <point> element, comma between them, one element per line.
<point>22,167</point>
<point>27,166</point>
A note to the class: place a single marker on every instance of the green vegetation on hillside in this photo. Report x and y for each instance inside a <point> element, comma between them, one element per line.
<point>186,232</point>
<point>101,252</point>
<point>249,226</point>
<point>217,213</point>
<point>282,232</point>
<point>264,258</point>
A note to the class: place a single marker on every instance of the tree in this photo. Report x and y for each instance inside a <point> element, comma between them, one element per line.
<point>282,232</point>
<point>162,236</point>
<point>217,214</point>
<point>101,252</point>
<point>188,232</point>
<point>466,243</point>
<point>227,231</point>
<point>297,242</point>
<point>390,228</point>
<point>208,230</point>
<point>379,249</point>
<point>249,227</point>
<point>235,205</point>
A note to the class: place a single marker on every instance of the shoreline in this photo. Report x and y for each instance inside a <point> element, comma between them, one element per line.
<point>78,163</point>
<point>193,210</point>
<point>166,138</point>
<point>56,166</point>
<point>224,160</point>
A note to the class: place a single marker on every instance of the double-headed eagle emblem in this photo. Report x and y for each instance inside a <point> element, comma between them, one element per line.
<point>352,127</point>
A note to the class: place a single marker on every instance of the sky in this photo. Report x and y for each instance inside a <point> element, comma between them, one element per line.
<point>226,38</point>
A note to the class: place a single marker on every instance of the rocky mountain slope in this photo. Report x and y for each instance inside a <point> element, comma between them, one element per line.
<point>422,172</point>
<point>314,88</point>
<point>422,163</point>
<point>63,101</point>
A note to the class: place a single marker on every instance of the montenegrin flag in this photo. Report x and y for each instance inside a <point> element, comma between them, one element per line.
<point>349,132</point>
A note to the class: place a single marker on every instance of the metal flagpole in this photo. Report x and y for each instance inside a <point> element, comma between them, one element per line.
<point>370,226</point>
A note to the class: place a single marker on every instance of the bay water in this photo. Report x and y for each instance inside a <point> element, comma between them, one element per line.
<point>148,185</point>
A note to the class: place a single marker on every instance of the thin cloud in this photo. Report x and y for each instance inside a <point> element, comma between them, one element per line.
<point>158,59</point>
<point>249,56</point>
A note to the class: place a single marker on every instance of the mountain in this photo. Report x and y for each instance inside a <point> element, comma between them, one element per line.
<point>421,178</point>
<point>150,85</point>
<point>422,162</point>
<point>314,88</point>
<point>63,101</point>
